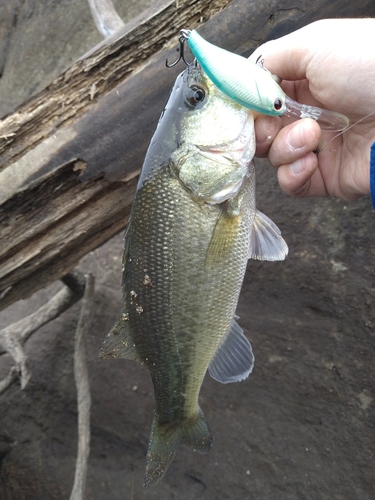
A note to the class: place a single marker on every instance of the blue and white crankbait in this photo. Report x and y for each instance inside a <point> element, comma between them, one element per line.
<point>252,85</point>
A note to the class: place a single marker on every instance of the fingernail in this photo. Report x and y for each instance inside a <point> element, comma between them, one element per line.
<point>262,138</point>
<point>265,126</point>
<point>297,167</point>
<point>295,138</point>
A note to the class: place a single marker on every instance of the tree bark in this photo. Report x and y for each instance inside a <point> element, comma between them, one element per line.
<point>70,155</point>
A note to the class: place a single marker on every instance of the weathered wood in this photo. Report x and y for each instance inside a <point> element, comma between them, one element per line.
<point>49,218</point>
<point>69,156</point>
<point>60,220</point>
<point>99,71</point>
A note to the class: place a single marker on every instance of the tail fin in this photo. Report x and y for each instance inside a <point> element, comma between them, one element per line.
<point>164,441</point>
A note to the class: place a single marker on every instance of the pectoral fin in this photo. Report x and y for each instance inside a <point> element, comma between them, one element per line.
<point>266,242</point>
<point>222,238</point>
<point>226,229</point>
<point>118,343</point>
<point>234,359</point>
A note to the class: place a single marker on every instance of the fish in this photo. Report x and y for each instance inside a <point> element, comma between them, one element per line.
<point>193,226</point>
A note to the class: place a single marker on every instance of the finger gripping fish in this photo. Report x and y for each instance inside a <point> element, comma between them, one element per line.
<point>193,226</point>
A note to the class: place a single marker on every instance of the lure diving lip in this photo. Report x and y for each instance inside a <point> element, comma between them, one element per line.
<point>253,86</point>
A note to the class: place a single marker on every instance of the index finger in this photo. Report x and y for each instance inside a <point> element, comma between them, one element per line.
<point>287,57</point>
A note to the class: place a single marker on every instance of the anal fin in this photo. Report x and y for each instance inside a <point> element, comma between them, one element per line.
<point>234,359</point>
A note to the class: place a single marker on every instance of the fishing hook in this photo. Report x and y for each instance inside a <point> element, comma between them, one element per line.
<point>184,36</point>
<point>260,62</point>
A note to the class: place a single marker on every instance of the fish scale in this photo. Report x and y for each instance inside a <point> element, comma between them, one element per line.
<point>182,299</point>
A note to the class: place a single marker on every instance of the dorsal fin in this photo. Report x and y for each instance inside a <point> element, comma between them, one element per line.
<point>118,342</point>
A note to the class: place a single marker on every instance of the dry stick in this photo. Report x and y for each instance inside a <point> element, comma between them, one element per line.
<point>14,336</point>
<point>83,391</point>
<point>105,17</point>
<point>15,349</point>
<point>9,379</point>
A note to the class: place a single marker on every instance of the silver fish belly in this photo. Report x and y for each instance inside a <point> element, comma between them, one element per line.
<point>193,227</point>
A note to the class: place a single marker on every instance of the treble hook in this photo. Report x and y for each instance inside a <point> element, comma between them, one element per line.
<point>260,62</point>
<point>184,36</point>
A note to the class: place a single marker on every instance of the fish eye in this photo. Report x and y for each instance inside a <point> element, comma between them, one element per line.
<point>278,104</point>
<point>195,95</point>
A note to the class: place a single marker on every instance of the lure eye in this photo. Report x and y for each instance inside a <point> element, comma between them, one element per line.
<point>278,104</point>
<point>195,95</point>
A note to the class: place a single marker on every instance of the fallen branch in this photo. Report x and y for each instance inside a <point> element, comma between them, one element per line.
<point>105,17</point>
<point>9,379</point>
<point>83,391</point>
<point>13,337</point>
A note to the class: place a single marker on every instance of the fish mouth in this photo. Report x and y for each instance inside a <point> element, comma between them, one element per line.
<point>241,149</point>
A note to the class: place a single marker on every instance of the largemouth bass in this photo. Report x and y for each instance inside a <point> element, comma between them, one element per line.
<point>193,226</point>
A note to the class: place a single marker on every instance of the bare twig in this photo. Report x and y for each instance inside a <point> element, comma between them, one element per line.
<point>9,379</point>
<point>83,392</point>
<point>13,337</point>
<point>14,348</point>
<point>105,17</point>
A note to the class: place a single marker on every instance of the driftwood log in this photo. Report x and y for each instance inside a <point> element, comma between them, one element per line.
<point>70,155</point>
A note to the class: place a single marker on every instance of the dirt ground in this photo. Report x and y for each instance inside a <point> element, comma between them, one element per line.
<point>301,427</point>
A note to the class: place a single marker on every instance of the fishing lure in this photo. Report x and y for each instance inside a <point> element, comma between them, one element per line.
<point>252,85</point>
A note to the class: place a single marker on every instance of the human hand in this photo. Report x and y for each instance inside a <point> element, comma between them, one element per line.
<point>329,64</point>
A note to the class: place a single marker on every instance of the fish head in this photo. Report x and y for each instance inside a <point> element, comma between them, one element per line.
<point>212,120</point>
<point>205,137</point>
